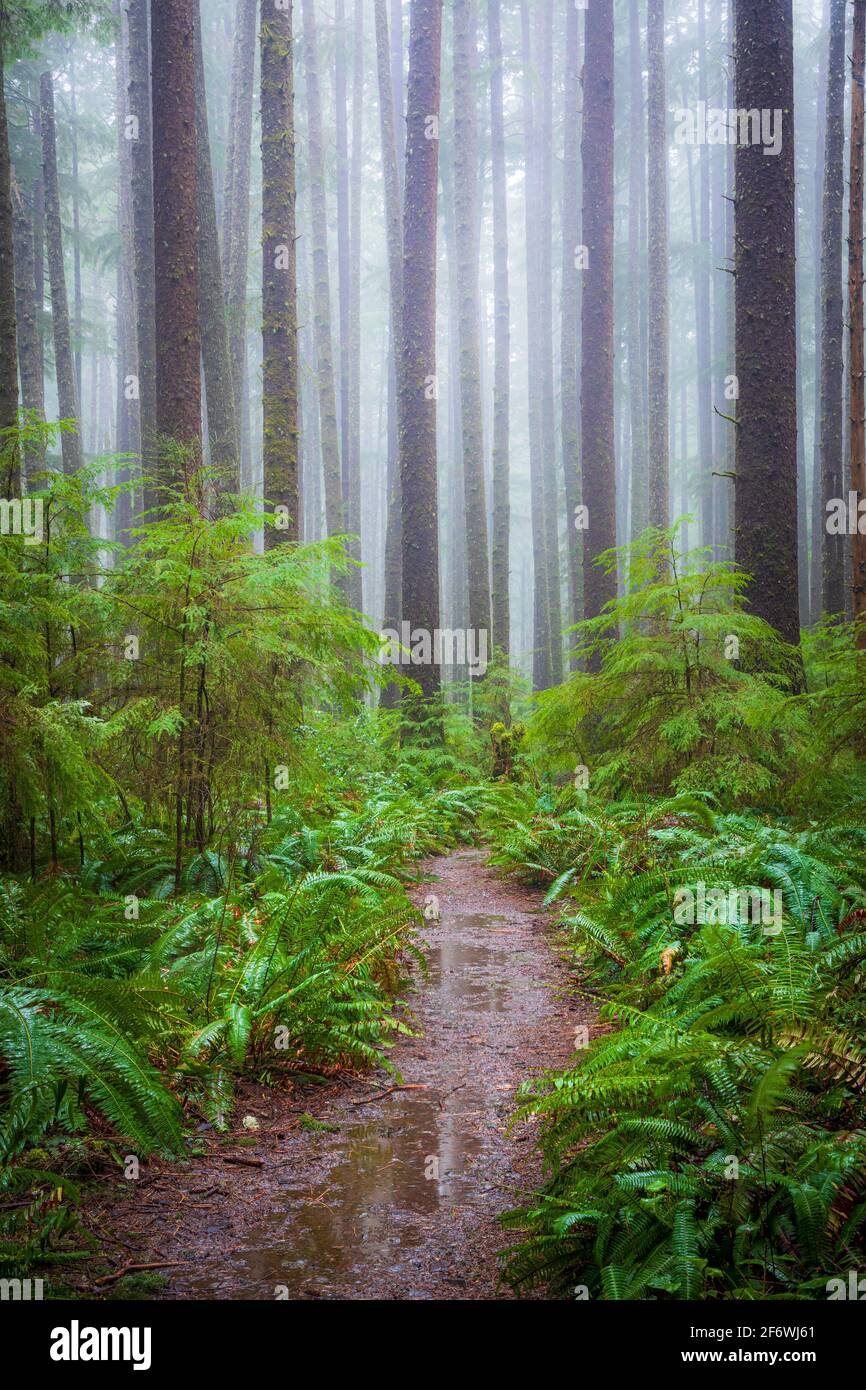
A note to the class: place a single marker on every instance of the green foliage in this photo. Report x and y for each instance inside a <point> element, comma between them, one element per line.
<point>674,703</point>
<point>710,1141</point>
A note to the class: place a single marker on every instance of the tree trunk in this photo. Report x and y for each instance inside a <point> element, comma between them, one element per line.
<point>237,251</point>
<point>467,247</point>
<point>222,427</point>
<point>394,239</point>
<point>659,345</point>
<point>500,606</point>
<point>29,355</point>
<point>597,418</point>
<point>334,513</point>
<point>127,414</point>
<point>541,606</point>
<point>703,312</point>
<point>353,436</point>
<point>178,346</point>
<point>637,192</point>
<point>279,287</point>
<point>11,455</point>
<point>855,316</point>
<point>138,105</point>
<point>343,233</point>
<point>63,359</point>
<point>766,483</point>
<point>544,263</point>
<point>417,360</point>
<point>77,318</point>
<point>832,312</point>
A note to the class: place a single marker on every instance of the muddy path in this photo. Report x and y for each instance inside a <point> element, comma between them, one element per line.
<point>399,1197</point>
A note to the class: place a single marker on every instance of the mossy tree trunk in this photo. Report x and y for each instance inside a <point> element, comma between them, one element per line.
<point>279,285</point>
<point>597,368</point>
<point>417,359</point>
<point>63,358</point>
<point>766,469</point>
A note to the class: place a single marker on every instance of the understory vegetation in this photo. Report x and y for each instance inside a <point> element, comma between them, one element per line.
<point>209,835</point>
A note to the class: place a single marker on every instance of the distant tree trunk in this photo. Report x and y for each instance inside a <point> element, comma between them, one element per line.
<point>341,133</point>
<point>570,310</point>
<point>766,481</point>
<point>127,414</point>
<point>76,223</point>
<point>239,222</point>
<point>832,311</point>
<point>11,455</point>
<point>222,426</point>
<point>29,355</point>
<point>659,346</point>
<point>544,131</point>
<point>597,417</point>
<point>637,192</point>
<point>417,361</point>
<point>816,490</point>
<point>353,458</point>
<point>178,345</point>
<point>541,640</point>
<point>141,163</point>
<point>500,606</point>
<point>703,312</point>
<point>63,359</point>
<point>855,315</point>
<point>466,237</point>
<point>394,237</point>
<point>279,287</point>
<point>334,513</point>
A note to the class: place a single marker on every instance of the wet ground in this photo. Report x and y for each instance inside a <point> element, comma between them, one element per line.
<point>399,1197</point>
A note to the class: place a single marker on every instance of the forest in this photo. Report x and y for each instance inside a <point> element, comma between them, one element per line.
<point>432,652</point>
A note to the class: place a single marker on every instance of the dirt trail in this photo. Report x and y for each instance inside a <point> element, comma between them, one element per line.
<point>400,1199</point>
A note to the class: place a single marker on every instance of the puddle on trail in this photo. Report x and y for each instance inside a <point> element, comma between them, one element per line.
<point>396,1176</point>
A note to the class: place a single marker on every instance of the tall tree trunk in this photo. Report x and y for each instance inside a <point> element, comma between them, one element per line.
<point>541,607</point>
<point>466,238</point>
<point>11,454</point>
<point>64,364</point>
<point>597,417</point>
<point>766,470</point>
<point>570,310</point>
<point>659,346</point>
<point>222,425</point>
<point>832,312</point>
<point>239,223</point>
<point>816,491</point>
<point>127,414</point>
<point>544,129</point>
<point>417,362</point>
<point>855,316</point>
<point>352,470</point>
<point>334,512</point>
<point>138,105</point>
<point>29,355</point>
<point>703,312</point>
<point>343,233</point>
<point>637,192</point>
<point>78,311</point>
<point>500,606</point>
<point>394,241</point>
<point>175,207</point>
<point>279,287</point>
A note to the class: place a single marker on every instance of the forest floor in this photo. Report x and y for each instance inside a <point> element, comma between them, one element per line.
<point>397,1195</point>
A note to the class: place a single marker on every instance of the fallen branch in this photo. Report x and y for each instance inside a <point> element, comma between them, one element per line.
<point>134,1268</point>
<point>415,1086</point>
